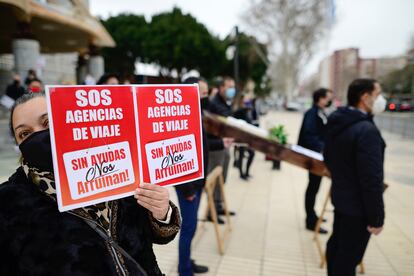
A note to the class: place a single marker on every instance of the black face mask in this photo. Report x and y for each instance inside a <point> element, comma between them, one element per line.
<point>205,103</point>
<point>37,151</point>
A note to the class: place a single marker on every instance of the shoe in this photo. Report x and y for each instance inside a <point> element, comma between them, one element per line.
<point>244,177</point>
<point>198,268</point>
<point>222,213</point>
<point>321,230</point>
<point>276,165</point>
<point>219,220</point>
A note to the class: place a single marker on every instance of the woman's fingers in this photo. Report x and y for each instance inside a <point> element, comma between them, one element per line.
<point>148,206</point>
<point>154,198</point>
<point>149,200</point>
<point>149,194</point>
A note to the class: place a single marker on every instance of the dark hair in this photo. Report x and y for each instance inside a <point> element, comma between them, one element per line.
<point>33,80</point>
<point>320,93</point>
<point>222,81</point>
<point>359,87</point>
<point>105,77</point>
<point>23,99</point>
<point>191,80</point>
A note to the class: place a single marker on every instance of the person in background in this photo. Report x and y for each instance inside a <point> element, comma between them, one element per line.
<point>354,154</point>
<point>252,104</point>
<point>220,104</point>
<point>31,75</point>
<point>311,137</point>
<point>15,90</point>
<point>89,80</point>
<point>189,196</point>
<point>212,92</point>
<point>35,86</point>
<point>108,79</point>
<point>244,112</point>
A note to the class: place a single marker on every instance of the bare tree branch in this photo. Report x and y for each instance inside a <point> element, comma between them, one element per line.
<point>292,29</point>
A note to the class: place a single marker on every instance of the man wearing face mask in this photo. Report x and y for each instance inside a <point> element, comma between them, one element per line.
<point>221,102</point>
<point>311,137</point>
<point>220,156</point>
<point>189,195</point>
<point>354,154</point>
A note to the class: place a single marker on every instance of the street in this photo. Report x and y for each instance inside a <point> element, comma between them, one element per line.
<point>398,123</point>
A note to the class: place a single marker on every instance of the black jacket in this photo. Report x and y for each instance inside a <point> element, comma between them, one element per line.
<point>354,154</point>
<point>36,239</point>
<point>244,114</point>
<point>15,91</point>
<point>311,132</point>
<point>189,189</point>
<point>218,106</point>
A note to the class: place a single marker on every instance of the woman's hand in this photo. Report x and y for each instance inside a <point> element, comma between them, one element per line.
<point>154,198</point>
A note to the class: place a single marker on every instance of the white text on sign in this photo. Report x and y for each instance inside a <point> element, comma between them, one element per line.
<point>98,169</point>
<point>169,101</point>
<point>90,100</point>
<point>171,158</point>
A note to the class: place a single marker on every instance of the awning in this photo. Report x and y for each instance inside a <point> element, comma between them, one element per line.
<point>58,28</point>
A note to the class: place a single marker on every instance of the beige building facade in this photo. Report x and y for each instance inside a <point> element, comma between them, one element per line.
<point>59,39</point>
<point>339,69</point>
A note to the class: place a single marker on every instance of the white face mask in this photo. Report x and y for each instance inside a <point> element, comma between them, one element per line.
<point>379,105</point>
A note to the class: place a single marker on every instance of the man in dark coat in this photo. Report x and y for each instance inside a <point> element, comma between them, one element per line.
<point>354,154</point>
<point>15,90</point>
<point>311,137</point>
<point>220,104</point>
<point>189,195</point>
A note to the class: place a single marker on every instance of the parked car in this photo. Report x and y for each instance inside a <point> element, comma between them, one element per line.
<point>405,106</point>
<point>293,106</point>
<point>402,106</point>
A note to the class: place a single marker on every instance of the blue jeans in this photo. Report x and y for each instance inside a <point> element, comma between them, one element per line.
<point>189,210</point>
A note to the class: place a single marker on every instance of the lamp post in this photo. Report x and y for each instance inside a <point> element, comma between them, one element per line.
<point>236,59</point>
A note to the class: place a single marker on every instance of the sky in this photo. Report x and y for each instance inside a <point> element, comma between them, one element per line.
<point>377,27</point>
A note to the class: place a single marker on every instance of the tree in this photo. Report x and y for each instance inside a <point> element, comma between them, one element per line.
<point>252,66</point>
<point>399,81</point>
<point>292,29</point>
<point>178,42</point>
<point>129,32</point>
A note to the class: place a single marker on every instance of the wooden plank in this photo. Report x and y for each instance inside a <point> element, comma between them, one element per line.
<point>218,126</point>
<point>216,178</point>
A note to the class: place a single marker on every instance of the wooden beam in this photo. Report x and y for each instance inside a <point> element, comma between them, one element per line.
<point>218,126</point>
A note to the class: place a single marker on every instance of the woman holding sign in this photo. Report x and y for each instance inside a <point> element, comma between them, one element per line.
<point>111,238</point>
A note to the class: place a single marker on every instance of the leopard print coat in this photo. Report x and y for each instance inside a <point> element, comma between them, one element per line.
<point>36,239</point>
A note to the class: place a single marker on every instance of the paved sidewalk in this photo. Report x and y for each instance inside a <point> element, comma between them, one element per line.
<point>268,235</point>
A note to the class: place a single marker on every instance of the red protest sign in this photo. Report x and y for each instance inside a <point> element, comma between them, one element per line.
<point>170,133</point>
<point>94,143</point>
<point>107,139</point>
